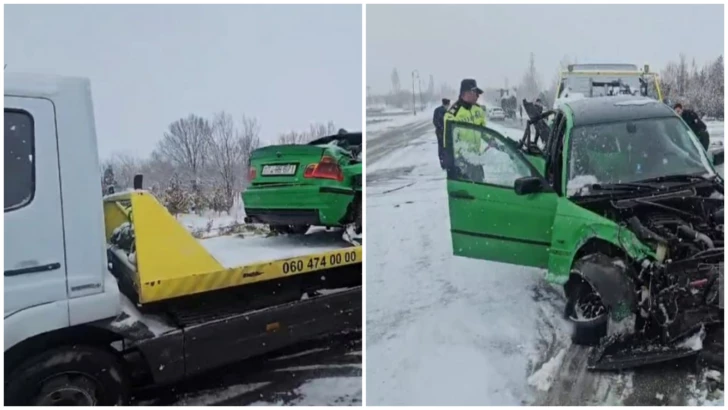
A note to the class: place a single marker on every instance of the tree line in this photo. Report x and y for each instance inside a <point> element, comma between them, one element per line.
<point>697,88</point>
<point>200,163</point>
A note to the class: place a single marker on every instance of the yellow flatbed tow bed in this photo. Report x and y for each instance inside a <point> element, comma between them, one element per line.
<point>163,261</point>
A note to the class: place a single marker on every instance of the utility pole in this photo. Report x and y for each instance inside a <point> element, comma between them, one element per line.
<point>419,83</point>
<point>414,103</point>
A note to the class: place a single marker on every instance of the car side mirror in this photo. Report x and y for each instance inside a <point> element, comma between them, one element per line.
<point>528,185</point>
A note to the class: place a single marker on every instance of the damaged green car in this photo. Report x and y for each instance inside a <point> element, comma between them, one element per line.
<point>296,186</point>
<point>621,205</point>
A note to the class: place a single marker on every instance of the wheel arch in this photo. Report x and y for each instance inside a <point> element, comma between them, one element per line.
<point>68,336</point>
<point>597,262</point>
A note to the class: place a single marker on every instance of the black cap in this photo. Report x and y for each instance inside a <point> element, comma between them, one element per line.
<point>469,84</point>
<point>446,101</point>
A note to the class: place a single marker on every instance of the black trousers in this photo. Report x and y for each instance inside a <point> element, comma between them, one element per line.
<point>440,148</point>
<point>704,138</point>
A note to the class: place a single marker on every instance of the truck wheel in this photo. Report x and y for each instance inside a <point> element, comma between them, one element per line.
<point>68,376</point>
<point>584,309</point>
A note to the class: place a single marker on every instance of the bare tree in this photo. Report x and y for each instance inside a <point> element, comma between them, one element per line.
<point>226,153</point>
<point>292,137</point>
<point>682,75</point>
<point>125,167</point>
<point>395,81</point>
<point>248,139</point>
<point>531,84</point>
<point>186,143</point>
<point>315,131</point>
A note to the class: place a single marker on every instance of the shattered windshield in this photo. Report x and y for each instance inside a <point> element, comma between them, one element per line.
<point>632,151</point>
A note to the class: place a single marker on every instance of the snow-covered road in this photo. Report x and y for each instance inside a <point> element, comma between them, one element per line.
<point>443,330</point>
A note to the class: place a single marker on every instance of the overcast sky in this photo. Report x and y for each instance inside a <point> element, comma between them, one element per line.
<point>492,42</point>
<point>150,65</point>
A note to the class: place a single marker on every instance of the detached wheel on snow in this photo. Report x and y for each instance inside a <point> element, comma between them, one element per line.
<point>68,376</point>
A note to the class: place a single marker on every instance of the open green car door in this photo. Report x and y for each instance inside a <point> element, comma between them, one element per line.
<point>501,208</point>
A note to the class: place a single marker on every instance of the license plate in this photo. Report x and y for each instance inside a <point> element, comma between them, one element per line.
<point>289,169</point>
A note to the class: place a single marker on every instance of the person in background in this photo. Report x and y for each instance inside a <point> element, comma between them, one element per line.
<point>438,120</point>
<point>520,112</point>
<point>695,123</point>
<point>539,105</point>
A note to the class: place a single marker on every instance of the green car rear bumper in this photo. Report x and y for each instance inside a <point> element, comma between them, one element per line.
<point>298,205</point>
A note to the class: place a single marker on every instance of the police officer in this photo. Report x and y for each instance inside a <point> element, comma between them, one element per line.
<point>438,120</point>
<point>466,109</point>
<point>695,123</point>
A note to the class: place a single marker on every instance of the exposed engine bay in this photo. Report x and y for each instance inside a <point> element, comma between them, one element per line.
<point>678,294</point>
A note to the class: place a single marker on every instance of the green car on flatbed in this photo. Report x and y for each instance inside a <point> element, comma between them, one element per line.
<point>294,187</point>
<point>621,205</point>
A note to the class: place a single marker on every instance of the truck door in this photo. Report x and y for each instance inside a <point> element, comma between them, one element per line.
<point>35,268</point>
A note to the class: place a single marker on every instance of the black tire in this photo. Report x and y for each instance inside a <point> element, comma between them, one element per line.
<point>70,375</point>
<point>289,229</point>
<point>298,229</point>
<point>277,229</point>
<point>584,309</point>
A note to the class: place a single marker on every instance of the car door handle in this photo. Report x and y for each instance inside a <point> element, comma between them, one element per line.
<point>461,195</point>
<point>33,269</point>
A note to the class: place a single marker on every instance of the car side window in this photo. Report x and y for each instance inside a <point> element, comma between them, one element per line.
<point>482,156</point>
<point>19,159</point>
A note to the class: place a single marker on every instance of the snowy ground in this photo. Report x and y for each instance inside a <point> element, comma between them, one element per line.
<point>443,330</point>
<point>387,119</point>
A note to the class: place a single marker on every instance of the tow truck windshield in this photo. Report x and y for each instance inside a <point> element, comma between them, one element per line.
<point>628,155</point>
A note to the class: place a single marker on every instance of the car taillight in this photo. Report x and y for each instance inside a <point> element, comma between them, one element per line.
<point>252,173</point>
<point>327,168</point>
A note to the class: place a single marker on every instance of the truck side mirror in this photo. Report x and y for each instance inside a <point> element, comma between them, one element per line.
<point>138,179</point>
<point>528,185</point>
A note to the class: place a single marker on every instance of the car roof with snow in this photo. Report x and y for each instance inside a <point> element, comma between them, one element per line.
<point>599,110</point>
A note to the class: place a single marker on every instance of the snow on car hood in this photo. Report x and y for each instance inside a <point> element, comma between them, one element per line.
<point>579,184</point>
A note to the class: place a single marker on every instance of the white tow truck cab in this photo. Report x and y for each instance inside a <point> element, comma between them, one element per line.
<point>74,333</point>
